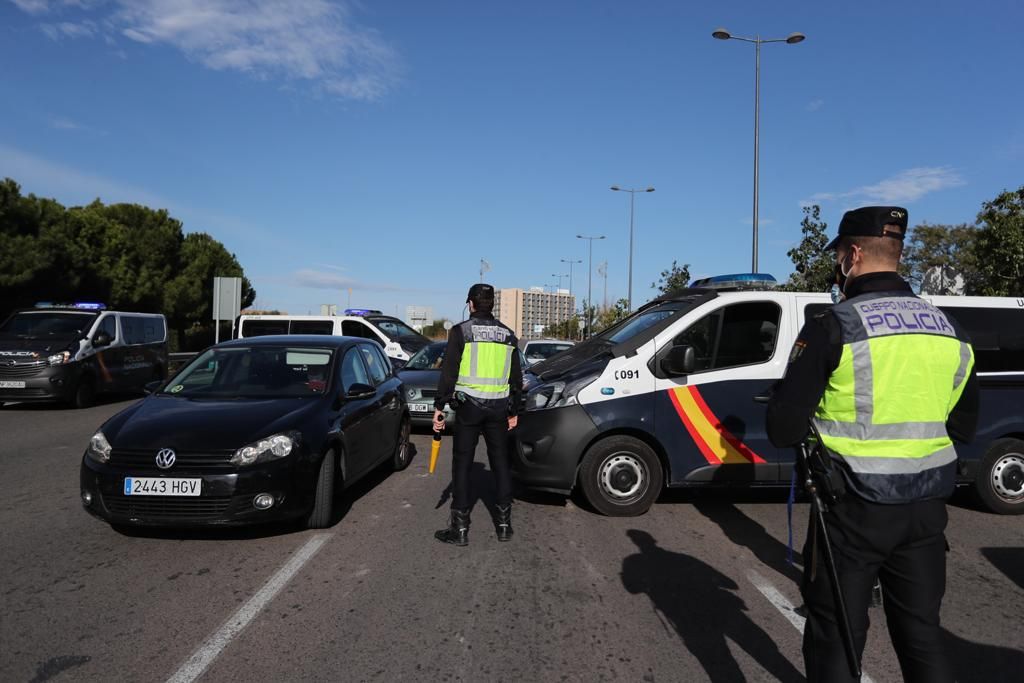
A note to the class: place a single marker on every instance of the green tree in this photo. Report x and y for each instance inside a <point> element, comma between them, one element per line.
<point>188,297</point>
<point>672,279</point>
<point>435,330</point>
<point>814,269</point>
<point>931,246</point>
<point>999,248</point>
<point>611,315</point>
<point>567,329</point>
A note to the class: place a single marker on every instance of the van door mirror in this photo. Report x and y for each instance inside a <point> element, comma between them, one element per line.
<point>101,339</point>
<point>680,360</point>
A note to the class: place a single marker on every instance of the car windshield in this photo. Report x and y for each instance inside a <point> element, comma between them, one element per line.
<point>542,350</point>
<point>30,325</point>
<point>395,329</point>
<point>427,358</point>
<point>631,327</point>
<point>254,372</point>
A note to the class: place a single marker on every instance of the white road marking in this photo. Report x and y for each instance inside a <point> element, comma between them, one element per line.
<point>782,603</point>
<point>201,659</point>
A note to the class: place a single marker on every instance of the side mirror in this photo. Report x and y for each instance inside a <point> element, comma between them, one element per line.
<point>360,391</point>
<point>680,360</point>
<point>101,339</point>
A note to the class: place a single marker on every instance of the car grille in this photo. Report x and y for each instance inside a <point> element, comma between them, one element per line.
<point>205,461</point>
<point>20,370</point>
<point>428,393</point>
<point>145,507</point>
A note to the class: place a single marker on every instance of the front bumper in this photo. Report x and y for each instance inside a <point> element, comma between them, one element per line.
<point>549,446</point>
<point>226,498</point>
<point>45,383</point>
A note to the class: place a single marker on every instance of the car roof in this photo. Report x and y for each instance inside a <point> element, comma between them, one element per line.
<point>320,340</point>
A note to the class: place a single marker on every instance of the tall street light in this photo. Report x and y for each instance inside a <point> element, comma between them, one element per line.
<point>791,39</point>
<point>632,195</point>
<point>590,274</point>
<point>559,279</point>
<point>571,263</point>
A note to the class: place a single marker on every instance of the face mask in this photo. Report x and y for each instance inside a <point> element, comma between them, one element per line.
<point>836,293</point>
<point>843,277</point>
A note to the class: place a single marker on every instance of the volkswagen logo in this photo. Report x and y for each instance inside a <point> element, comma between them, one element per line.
<point>165,458</point>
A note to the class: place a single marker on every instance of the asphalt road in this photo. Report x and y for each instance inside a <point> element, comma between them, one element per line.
<point>697,589</point>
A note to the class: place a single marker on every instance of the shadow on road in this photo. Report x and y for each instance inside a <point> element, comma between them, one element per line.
<point>1009,561</point>
<point>747,532</point>
<point>699,603</point>
<point>981,662</point>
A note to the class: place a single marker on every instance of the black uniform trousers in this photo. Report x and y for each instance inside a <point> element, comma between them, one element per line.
<point>472,419</point>
<point>903,545</point>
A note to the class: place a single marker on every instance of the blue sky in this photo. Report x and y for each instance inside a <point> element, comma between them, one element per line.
<point>387,146</point>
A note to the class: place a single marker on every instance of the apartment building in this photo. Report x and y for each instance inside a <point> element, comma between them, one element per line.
<point>529,311</point>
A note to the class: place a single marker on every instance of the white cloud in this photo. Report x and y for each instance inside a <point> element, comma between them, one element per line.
<point>315,41</point>
<point>318,279</point>
<point>815,105</point>
<point>904,187</point>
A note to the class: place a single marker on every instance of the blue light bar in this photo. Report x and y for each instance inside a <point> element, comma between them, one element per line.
<point>737,281</point>
<point>361,311</point>
<point>90,305</point>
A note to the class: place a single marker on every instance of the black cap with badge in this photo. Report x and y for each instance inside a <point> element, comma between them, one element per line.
<point>872,221</point>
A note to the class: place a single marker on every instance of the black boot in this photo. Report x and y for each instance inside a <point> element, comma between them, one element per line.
<point>503,522</point>
<point>457,532</point>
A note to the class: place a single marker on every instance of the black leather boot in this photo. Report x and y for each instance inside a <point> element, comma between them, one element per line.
<point>503,523</point>
<point>457,532</point>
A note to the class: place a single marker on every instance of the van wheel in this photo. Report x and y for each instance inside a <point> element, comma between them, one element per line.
<point>85,392</point>
<point>322,514</point>
<point>403,449</point>
<point>999,484</point>
<point>621,476</point>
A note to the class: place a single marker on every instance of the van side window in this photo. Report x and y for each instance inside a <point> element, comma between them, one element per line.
<point>354,328</point>
<point>997,335</point>
<point>353,371</point>
<point>153,329</point>
<point>133,329</point>
<point>259,328</point>
<point>312,327</point>
<point>108,325</point>
<point>740,334</point>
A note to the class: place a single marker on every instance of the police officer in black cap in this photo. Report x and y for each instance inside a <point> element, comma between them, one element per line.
<point>481,379</point>
<point>889,381</point>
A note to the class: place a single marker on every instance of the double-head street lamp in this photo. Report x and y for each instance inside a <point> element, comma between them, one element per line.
<point>632,194</point>
<point>792,39</point>
<point>571,262</point>
<point>559,279</point>
<point>590,273</point>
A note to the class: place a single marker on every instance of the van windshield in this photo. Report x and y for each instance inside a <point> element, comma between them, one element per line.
<point>395,329</point>
<point>644,320</point>
<point>34,325</point>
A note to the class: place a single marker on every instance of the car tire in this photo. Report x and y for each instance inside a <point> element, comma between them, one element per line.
<point>403,449</point>
<point>322,514</point>
<point>999,484</point>
<point>621,476</point>
<point>85,392</point>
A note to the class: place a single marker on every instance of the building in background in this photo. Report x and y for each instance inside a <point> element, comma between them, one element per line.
<point>529,311</point>
<point>419,317</point>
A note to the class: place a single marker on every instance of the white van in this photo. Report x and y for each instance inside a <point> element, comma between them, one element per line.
<point>619,415</point>
<point>399,340</point>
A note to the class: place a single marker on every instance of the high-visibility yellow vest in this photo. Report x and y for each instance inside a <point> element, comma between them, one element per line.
<point>903,368</point>
<point>486,359</point>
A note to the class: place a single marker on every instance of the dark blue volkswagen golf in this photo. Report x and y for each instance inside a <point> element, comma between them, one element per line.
<point>253,430</point>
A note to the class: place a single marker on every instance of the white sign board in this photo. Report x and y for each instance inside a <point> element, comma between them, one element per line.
<point>227,301</point>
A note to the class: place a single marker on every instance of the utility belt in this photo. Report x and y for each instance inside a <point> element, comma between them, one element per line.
<point>461,398</point>
<point>825,473</point>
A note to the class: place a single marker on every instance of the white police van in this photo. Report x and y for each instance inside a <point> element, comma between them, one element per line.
<point>399,340</point>
<point>71,352</point>
<point>665,398</point>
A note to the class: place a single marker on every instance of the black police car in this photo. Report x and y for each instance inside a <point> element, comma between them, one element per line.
<point>252,430</point>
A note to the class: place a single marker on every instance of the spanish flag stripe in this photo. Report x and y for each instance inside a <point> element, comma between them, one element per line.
<point>708,454</point>
<point>726,434</point>
<point>721,448</point>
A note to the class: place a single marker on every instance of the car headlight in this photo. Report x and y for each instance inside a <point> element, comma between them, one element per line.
<point>270,448</point>
<point>59,358</point>
<point>557,394</point>
<point>99,447</point>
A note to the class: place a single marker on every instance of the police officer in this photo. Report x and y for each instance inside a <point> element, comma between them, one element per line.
<point>482,379</point>
<point>889,380</point>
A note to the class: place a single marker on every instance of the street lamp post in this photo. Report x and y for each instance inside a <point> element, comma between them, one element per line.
<point>632,194</point>
<point>590,274</point>
<point>791,39</point>
<point>559,279</point>
<point>571,263</point>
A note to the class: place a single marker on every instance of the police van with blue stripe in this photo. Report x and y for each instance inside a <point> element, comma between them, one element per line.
<point>664,397</point>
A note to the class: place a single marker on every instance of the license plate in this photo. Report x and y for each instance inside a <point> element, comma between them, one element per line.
<point>10,384</point>
<point>161,486</point>
<point>421,407</point>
